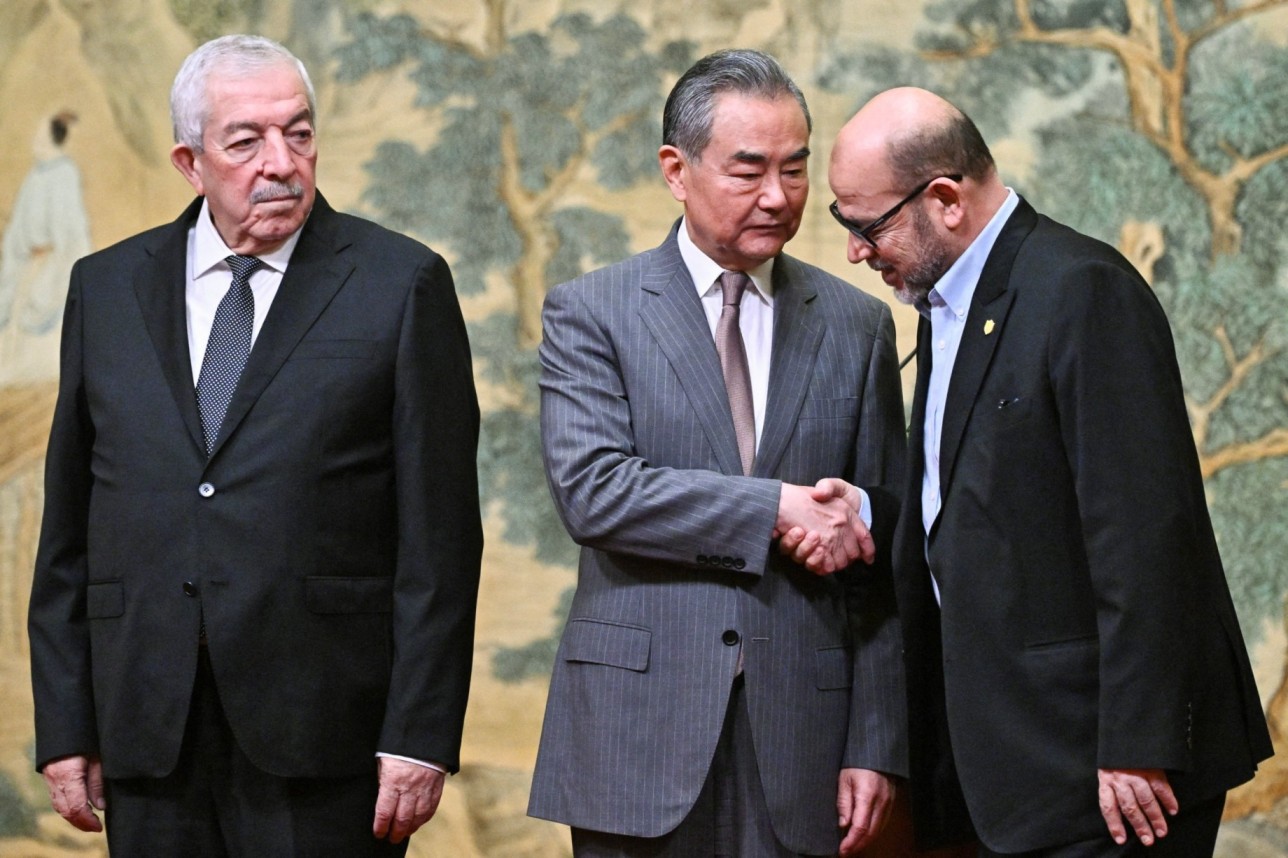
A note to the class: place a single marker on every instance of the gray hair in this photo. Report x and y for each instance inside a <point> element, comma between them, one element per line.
<point>237,55</point>
<point>690,108</point>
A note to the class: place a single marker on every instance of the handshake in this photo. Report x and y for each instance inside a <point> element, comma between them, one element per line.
<point>819,527</point>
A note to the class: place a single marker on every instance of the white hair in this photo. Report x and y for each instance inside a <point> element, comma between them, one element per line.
<point>238,55</point>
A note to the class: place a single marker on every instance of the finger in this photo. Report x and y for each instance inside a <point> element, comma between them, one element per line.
<point>808,545</point>
<point>828,488</point>
<point>844,804</point>
<point>1132,812</point>
<point>867,545</point>
<point>1153,822</point>
<point>1112,816</point>
<point>850,538</point>
<point>95,783</point>
<point>1167,798</point>
<point>404,815</point>
<point>72,804</point>
<point>817,562</point>
<point>386,803</point>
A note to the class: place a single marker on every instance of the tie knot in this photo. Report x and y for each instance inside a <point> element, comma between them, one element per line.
<point>732,285</point>
<point>243,266</point>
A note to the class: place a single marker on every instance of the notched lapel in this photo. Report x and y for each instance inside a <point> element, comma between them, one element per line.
<point>991,302</point>
<point>316,272</point>
<point>160,285</point>
<point>798,334</point>
<point>672,311</point>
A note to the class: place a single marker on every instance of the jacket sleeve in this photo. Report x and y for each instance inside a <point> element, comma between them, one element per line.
<point>1130,450</point>
<point>440,535</point>
<point>56,620</point>
<point>878,735</point>
<point>608,496</point>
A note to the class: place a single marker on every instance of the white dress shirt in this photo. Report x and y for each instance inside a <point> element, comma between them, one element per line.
<point>947,306</point>
<point>755,318</point>
<point>208,278</point>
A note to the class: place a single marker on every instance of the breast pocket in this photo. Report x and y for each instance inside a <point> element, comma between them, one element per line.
<point>841,408</point>
<point>333,349</point>
<point>999,413</point>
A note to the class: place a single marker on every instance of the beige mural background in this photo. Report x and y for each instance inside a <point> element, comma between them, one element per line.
<point>110,63</point>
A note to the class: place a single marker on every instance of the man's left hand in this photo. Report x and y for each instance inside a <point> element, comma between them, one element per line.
<point>1140,796</point>
<point>863,801</point>
<point>409,795</point>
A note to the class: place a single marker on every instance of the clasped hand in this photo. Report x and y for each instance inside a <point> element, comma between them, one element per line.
<point>819,527</point>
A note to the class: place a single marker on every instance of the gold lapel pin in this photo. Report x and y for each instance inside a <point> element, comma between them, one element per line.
<point>988,327</point>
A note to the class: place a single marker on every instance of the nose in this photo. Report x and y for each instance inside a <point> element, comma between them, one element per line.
<point>857,250</point>
<point>772,195</point>
<point>276,161</point>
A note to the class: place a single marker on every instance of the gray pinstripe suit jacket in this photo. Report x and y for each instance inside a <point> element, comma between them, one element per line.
<point>643,464</point>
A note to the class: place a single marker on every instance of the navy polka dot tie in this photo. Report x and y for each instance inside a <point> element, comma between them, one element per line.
<point>227,348</point>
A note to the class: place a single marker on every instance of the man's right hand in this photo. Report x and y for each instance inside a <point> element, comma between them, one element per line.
<point>75,786</point>
<point>820,527</point>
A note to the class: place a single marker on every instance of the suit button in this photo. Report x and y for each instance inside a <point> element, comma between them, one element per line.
<point>726,562</point>
<point>702,560</point>
<point>730,638</point>
<point>206,490</point>
<point>189,588</point>
<point>739,563</point>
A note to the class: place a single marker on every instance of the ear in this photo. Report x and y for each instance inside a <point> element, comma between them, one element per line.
<point>185,161</point>
<point>948,195</point>
<point>674,170</point>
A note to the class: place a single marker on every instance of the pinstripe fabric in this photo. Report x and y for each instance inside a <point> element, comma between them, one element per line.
<point>642,460</point>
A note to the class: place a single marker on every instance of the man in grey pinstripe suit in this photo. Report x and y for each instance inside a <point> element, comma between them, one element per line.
<point>711,697</point>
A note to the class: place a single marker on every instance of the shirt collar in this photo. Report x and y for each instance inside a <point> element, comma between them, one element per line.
<point>704,270</point>
<point>210,251</point>
<point>956,288</point>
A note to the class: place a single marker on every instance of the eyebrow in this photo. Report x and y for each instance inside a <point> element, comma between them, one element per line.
<point>234,127</point>
<point>746,157</point>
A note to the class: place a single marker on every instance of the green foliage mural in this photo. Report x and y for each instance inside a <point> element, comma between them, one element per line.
<point>523,117</point>
<point>1173,145</point>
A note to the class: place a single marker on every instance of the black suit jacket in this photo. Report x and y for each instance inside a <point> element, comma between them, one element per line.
<point>332,541</point>
<point>1086,621</point>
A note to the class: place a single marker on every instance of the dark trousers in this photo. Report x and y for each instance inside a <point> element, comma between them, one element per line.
<point>216,803</point>
<point>730,817</point>
<point>1190,834</point>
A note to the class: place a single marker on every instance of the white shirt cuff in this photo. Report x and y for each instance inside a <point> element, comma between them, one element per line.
<point>865,509</point>
<point>435,766</point>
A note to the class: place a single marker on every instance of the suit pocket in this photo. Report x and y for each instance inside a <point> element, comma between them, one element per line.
<point>105,600</point>
<point>319,349</point>
<point>356,595</point>
<point>1006,411</point>
<point>613,644</point>
<point>834,667</point>
<point>829,409</point>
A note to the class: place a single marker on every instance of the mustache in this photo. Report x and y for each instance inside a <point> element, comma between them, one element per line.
<point>276,191</point>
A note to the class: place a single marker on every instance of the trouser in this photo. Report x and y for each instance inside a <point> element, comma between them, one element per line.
<point>216,803</point>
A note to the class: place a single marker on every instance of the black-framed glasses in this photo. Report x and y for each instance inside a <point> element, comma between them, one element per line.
<point>865,232</point>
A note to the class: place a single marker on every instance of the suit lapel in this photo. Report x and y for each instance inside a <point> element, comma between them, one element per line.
<point>315,273</point>
<point>672,311</point>
<point>161,287</point>
<point>798,333</point>
<point>985,328</point>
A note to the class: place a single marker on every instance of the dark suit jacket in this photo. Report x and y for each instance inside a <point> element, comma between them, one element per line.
<point>332,540</point>
<point>1085,620</point>
<point>677,568</point>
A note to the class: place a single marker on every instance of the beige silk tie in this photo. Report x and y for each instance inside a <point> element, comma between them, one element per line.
<point>733,363</point>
